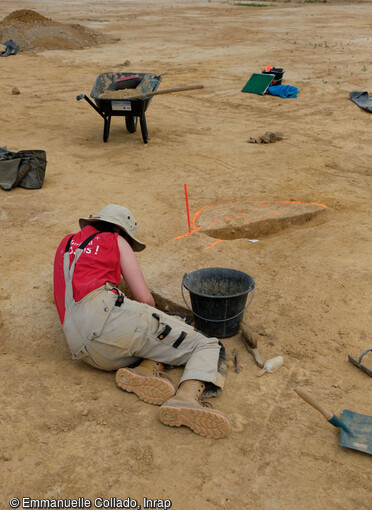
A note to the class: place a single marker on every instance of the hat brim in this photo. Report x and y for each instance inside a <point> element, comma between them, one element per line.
<point>136,244</point>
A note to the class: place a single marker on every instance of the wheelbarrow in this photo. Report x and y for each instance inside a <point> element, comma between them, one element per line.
<point>132,107</point>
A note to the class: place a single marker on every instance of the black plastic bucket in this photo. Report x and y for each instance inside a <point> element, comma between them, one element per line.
<point>278,73</point>
<point>218,299</point>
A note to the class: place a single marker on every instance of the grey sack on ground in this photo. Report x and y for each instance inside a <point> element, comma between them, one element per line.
<point>25,169</point>
<point>362,99</point>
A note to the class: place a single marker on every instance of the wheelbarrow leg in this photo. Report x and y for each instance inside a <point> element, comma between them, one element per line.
<point>145,136</point>
<point>106,128</point>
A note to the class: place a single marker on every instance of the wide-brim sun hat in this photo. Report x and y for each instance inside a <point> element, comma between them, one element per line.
<point>119,216</point>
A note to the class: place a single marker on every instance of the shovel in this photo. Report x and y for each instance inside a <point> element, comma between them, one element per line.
<point>356,429</point>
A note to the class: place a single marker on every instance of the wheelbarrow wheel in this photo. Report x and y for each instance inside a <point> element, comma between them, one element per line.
<point>131,123</point>
<point>145,136</point>
<point>106,128</point>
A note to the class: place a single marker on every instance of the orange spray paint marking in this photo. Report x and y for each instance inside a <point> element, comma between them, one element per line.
<point>197,214</point>
<point>189,233</point>
<point>215,223</point>
<point>214,244</point>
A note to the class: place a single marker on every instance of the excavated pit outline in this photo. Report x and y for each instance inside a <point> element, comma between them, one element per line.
<point>251,219</point>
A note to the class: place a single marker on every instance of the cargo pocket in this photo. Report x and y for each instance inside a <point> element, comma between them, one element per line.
<point>171,334</point>
<point>93,316</point>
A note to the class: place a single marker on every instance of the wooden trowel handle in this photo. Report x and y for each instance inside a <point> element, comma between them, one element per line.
<point>313,402</point>
<point>164,91</point>
<point>175,89</point>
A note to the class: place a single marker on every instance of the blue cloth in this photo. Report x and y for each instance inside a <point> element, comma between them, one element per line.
<point>283,91</point>
<point>11,48</point>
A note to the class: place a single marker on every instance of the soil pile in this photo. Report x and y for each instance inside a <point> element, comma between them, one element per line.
<point>25,16</point>
<point>32,31</point>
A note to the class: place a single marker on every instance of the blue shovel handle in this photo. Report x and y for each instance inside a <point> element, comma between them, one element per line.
<point>336,422</point>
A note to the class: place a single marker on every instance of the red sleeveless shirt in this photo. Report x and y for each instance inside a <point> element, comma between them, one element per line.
<point>99,263</point>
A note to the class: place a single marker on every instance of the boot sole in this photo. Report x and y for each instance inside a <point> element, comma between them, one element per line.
<point>202,421</point>
<point>149,388</point>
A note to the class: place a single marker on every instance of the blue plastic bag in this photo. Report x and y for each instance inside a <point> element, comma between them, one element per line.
<point>283,91</point>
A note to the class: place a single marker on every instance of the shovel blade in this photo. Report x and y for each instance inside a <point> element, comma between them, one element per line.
<point>361,427</point>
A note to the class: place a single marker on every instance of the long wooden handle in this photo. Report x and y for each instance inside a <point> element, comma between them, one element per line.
<point>313,402</point>
<point>164,91</point>
<point>249,336</point>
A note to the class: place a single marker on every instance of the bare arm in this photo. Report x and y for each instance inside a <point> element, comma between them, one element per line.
<point>132,273</point>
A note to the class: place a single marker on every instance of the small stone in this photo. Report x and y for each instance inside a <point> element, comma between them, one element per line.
<point>116,451</point>
<point>36,95</point>
<point>127,63</point>
<point>15,91</point>
<point>84,413</point>
<point>265,138</point>
<point>6,457</point>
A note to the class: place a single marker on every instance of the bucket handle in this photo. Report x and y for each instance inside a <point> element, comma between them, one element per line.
<point>217,320</point>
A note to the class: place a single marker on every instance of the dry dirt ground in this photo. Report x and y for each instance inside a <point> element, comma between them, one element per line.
<point>67,431</point>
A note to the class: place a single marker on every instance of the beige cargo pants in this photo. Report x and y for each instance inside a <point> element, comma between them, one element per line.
<point>108,336</point>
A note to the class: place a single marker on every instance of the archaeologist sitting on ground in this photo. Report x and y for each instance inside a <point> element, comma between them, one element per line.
<point>111,332</point>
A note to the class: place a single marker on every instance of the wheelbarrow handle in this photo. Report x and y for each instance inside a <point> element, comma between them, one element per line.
<point>83,96</point>
<point>313,402</point>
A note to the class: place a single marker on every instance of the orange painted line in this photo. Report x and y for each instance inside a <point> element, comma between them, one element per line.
<point>197,214</point>
<point>302,203</point>
<point>316,203</point>
<point>189,233</point>
<point>214,244</point>
<point>229,202</point>
<point>278,212</point>
<point>228,219</point>
<point>215,223</point>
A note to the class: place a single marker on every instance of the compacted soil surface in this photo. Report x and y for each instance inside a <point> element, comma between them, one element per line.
<point>67,431</point>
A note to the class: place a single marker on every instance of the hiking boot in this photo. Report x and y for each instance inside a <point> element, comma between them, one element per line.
<point>147,381</point>
<point>188,408</point>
